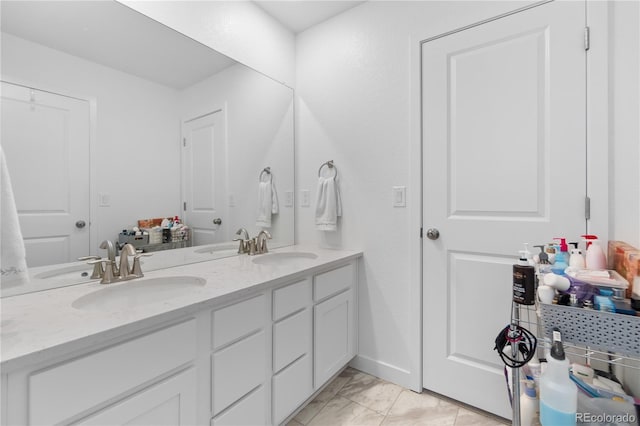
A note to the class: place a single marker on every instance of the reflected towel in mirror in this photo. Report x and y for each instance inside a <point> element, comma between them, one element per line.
<point>13,266</point>
<point>328,204</point>
<point>267,203</point>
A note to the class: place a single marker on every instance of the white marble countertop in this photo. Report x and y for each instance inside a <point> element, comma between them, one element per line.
<point>38,325</point>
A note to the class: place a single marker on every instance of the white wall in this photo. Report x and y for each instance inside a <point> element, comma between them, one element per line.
<point>354,92</point>
<point>238,29</point>
<point>137,131</point>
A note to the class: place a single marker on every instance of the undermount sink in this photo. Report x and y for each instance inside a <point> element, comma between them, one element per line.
<point>216,249</point>
<point>284,258</point>
<point>76,271</point>
<point>136,293</point>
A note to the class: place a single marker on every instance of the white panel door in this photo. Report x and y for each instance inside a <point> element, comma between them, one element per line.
<point>204,173</point>
<point>504,163</point>
<point>45,137</point>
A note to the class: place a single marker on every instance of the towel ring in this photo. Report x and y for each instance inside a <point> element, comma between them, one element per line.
<point>330,165</point>
<point>266,170</point>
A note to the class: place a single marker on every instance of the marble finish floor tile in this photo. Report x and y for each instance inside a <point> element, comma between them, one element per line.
<point>370,392</point>
<point>341,411</point>
<point>421,409</point>
<point>358,399</point>
<point>318,403</point>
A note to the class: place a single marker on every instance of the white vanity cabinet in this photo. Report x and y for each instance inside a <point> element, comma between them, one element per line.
<point>151,375</point>
<point>334,321</point>
<point>292,381</point>
<point>239,362</point>
<point>250,359</point>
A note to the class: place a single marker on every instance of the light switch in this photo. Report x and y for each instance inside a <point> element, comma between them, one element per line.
<point>288,198</point>
<point>104,199</point>
<point>306,198</point>
<point>399,196</point>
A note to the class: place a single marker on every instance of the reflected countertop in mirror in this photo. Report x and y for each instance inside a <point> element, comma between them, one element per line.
<point>143,122</point>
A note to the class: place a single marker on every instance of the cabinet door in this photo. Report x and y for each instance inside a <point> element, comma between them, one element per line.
<point>171,402</point>
<point>334,326</point>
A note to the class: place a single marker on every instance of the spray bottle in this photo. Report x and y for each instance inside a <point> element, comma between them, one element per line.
<point>558,393</point>
<point>561,257</point>
<point>595,258</point>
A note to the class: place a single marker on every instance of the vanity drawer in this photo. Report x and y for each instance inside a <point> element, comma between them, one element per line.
<point>238,320</point>
<point>333,282</point>
<point>95,378</point>
<point>291,387</point>
<point>252,410</point>
<point>238,369</point>
<point>291,339</point>
<point>292,298</point>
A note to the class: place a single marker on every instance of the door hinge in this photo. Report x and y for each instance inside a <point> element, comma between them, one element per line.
<point>587,208</point>
<point>184,141</point>
<point>421,233</point>
<point>184,206</point>
<point>587,38</point>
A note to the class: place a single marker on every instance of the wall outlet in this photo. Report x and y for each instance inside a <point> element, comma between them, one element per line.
<point>306,198</point>
<point>288,198</point>
<point>399,196</point>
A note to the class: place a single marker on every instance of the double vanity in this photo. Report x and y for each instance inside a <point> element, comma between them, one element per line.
<point>239,340</point>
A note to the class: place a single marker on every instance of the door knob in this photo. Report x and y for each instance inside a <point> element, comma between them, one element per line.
<point>433,234</point>
<point>217,221</point>
<point>81,224</point>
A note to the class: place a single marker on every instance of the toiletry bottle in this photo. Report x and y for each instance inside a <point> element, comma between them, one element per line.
<point>558,393</point>
<point>576,260</point>
<point>561,257</point>
<point>524,281</point>
<point>595,258</point>
<point>528,404</point>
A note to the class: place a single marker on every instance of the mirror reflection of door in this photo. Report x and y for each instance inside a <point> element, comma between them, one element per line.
<point>45,137</point>
<point>204,178</point>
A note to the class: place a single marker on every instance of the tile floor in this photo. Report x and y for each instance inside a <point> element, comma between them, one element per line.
<point>355,398</point>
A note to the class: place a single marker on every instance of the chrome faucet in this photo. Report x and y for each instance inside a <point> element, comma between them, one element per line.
<point>244,240</point>
<point>107,269</point>
<point>261,242</point>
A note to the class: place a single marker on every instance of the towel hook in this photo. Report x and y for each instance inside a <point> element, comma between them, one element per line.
<point>330,165</point>
<point>266,170</point>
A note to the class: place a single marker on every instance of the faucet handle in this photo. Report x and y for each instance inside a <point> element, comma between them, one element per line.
<point>136,270</point>
<point>97,266</point>
<point>106,266</point>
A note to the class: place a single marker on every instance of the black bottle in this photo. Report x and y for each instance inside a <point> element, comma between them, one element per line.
<point>524,278</point>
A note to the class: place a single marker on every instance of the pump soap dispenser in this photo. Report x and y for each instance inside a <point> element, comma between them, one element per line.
<point>561,257</point>
<point>595,258</point>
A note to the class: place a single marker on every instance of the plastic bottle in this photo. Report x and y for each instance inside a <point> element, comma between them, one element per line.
<point>558,393</point>
<point>576,259</point>
<point>595,257</point>
<point>562,257</point>
<point>528,404</point>
<point>524,290</point>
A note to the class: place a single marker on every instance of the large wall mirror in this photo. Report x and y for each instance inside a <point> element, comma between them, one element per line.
<point>110,118</point>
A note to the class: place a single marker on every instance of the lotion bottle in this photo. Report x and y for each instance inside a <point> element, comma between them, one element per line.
<point>595,257</point>
<point>576,260</point>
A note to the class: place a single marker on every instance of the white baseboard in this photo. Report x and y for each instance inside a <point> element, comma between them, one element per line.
<point>385,371</point>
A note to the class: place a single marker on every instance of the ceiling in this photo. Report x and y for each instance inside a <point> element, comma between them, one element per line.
<point>298,15</point>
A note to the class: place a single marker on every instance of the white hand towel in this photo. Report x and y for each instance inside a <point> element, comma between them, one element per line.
<point>13,258</point>
<point>267,203</point>
<point>328,204</point>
